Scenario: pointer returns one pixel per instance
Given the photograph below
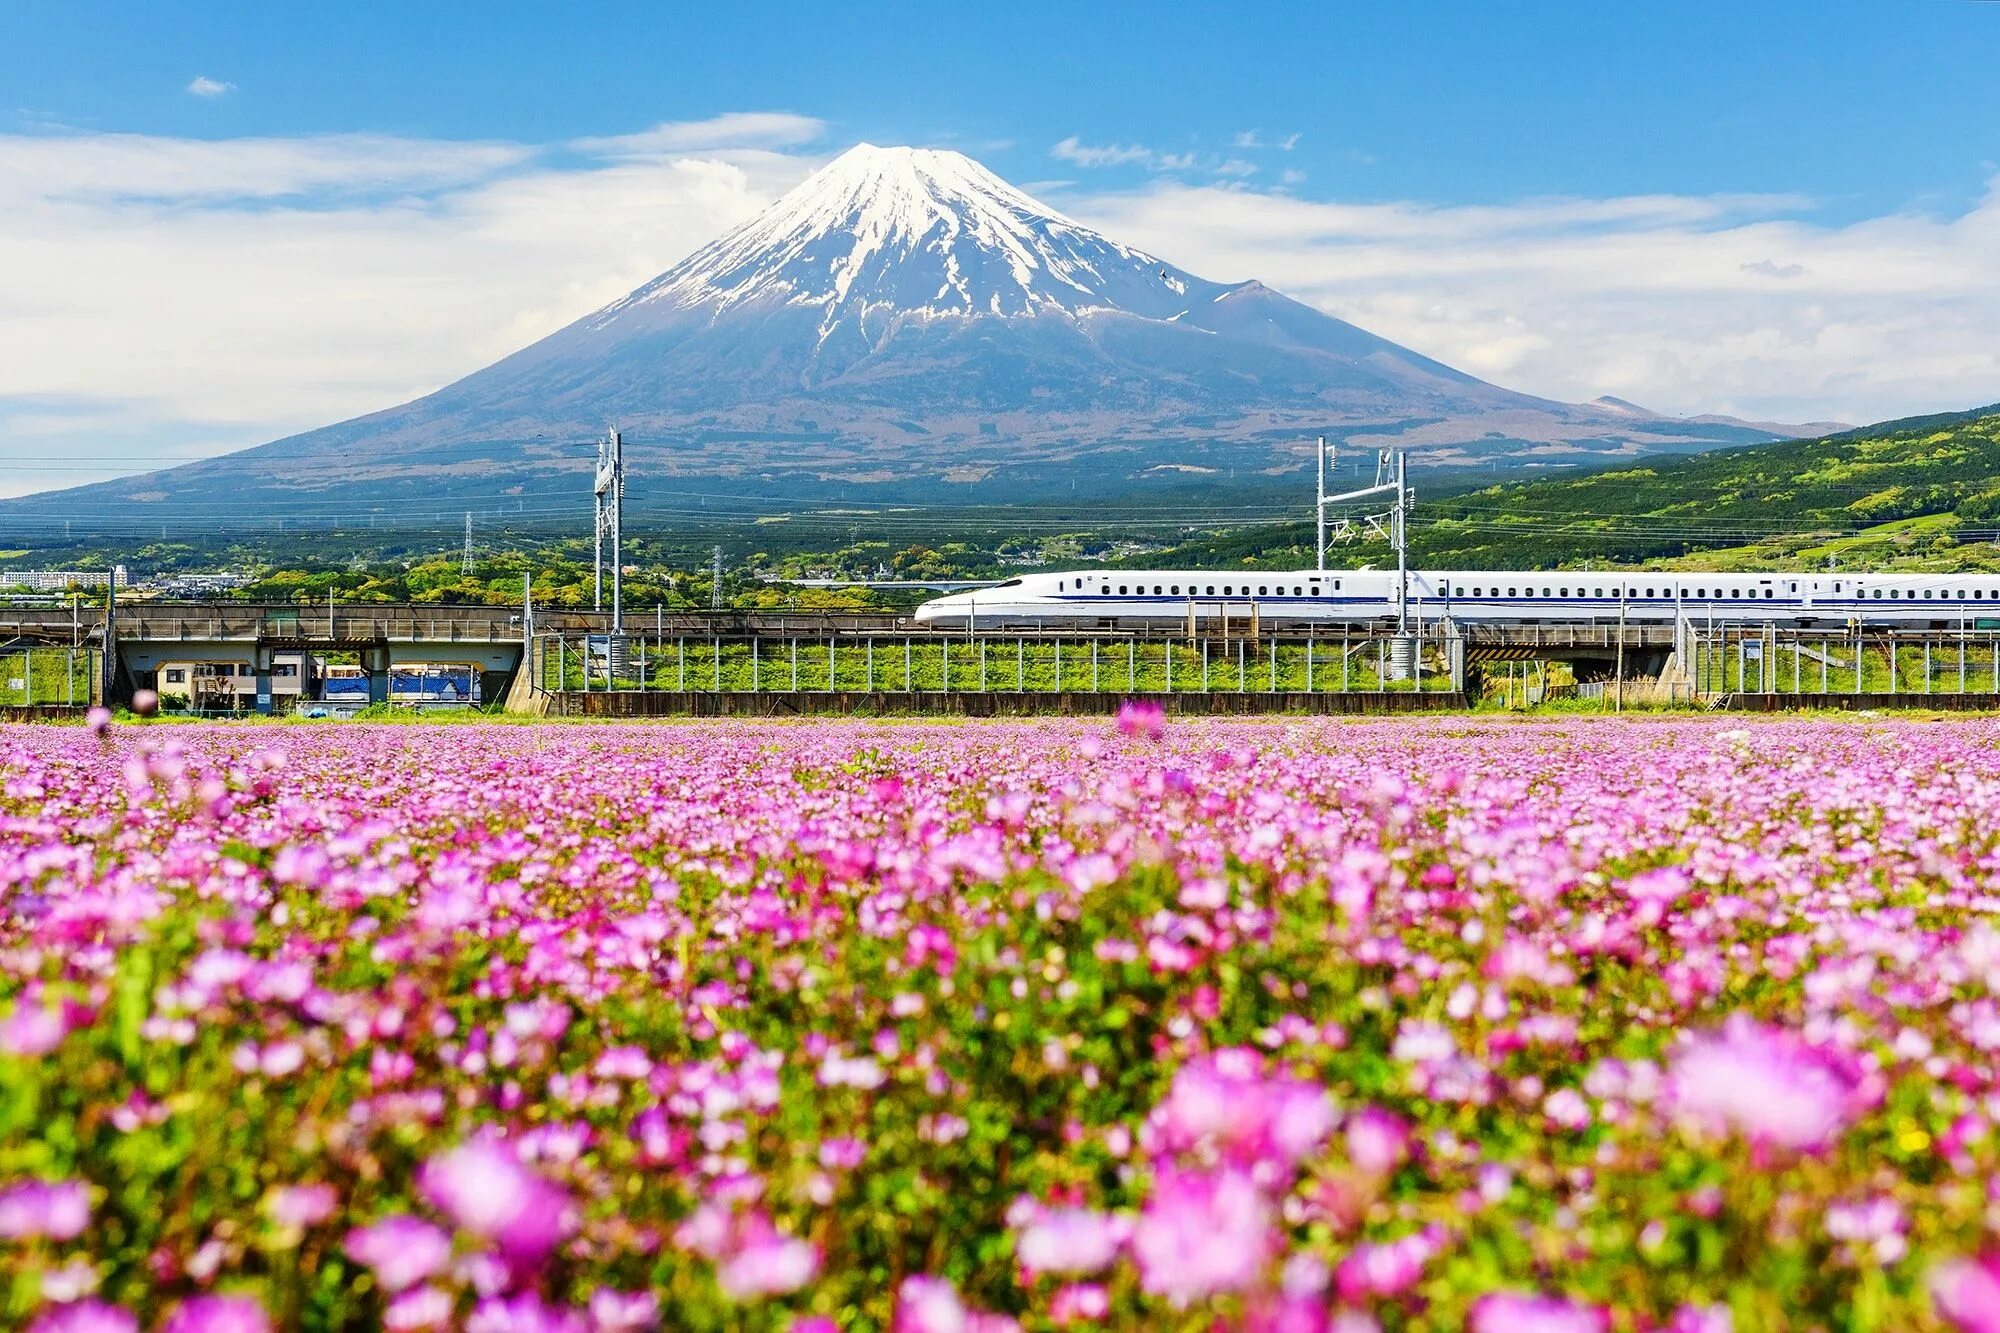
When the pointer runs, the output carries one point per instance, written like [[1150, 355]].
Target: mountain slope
[[1921, 492], [904, 319]]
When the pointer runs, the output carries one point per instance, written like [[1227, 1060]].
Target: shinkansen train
[[1110, 599]]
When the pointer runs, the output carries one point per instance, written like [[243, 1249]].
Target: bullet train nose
[[941, 608]]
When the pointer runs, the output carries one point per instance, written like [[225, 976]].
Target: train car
[[1114, 599]]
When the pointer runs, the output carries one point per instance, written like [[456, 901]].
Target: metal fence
[[1725, 660], [38, 676], [994, 663]]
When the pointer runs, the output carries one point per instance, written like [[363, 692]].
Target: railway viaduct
[[145, 634]]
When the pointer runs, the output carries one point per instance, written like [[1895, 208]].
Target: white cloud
[[168, 298], [758, 129], [1254, 139], [1731, 303], [1236, 166], [1119, 155], [203, 86]]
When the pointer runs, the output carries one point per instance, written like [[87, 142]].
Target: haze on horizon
[[232, 225]]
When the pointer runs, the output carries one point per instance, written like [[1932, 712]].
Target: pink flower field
[[1303, 1027]]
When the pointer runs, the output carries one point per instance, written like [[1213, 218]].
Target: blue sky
[[1768, 208], [1866, 106]]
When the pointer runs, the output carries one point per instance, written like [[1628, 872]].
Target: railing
[[39, 676], [990, 663], [1755, 660]]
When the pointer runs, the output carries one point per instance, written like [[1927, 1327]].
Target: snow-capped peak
[[922, 231]]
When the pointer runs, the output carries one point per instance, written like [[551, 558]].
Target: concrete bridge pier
[[375, 661]]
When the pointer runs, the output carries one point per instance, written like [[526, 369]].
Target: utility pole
[[1391, 475], [465, 558], [610, 495], [1319, 513], [111, 637]]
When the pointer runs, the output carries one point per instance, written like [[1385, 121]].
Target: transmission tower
[[610, 493], [715, 580], [465, 557]]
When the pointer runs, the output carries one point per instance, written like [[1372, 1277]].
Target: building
[[59, 580]]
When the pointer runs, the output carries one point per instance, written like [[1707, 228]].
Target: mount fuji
[[906, 323]]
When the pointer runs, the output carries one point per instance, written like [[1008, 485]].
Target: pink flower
[[400, 1250], [614, 1311], [932, 1305], [1143, 718], [1701, 1319], [1967, 1292], [1507, 1312], [1377, 1141], [85, 1317], [770, 1264], [98, 720], [34, 1028], [1202, 1233], [523, 1314], [1079, 1303], [297, 1207], [418, 1309], [1765, 1083], [1227, 1104], [483, 1187], [218, 1314], [57, 1210], [1067, 1240]]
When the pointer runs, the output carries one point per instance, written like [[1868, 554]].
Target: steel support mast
[[1391, 477], [609, 491]]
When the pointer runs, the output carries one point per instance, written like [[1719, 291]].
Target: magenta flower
[[418, 1309], [1202, 1233], [1506, 1312], [1766, 1084], [1967, 1292], [85, 1317], [767, 1264], [1067, 1240], [400, 1250], [296, 1207], [1142, 718], [218, 1314], [58, 1210], [1079, 1303], [483, 1187], [614, 1311], [525, 1313], [1377, 1141]]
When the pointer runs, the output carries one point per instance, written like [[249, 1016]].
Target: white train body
[[1108, 599]]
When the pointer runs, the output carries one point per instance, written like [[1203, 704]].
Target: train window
[[1176, 590], [1510, 592], [1649, 592], [1927, 594], [1769, 593], [1263, 590], [1105, 590], [1156, 590], [1123, 590], [1893, 594]]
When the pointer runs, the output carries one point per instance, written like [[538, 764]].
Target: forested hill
[[1786, 496], [1924, 491]]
